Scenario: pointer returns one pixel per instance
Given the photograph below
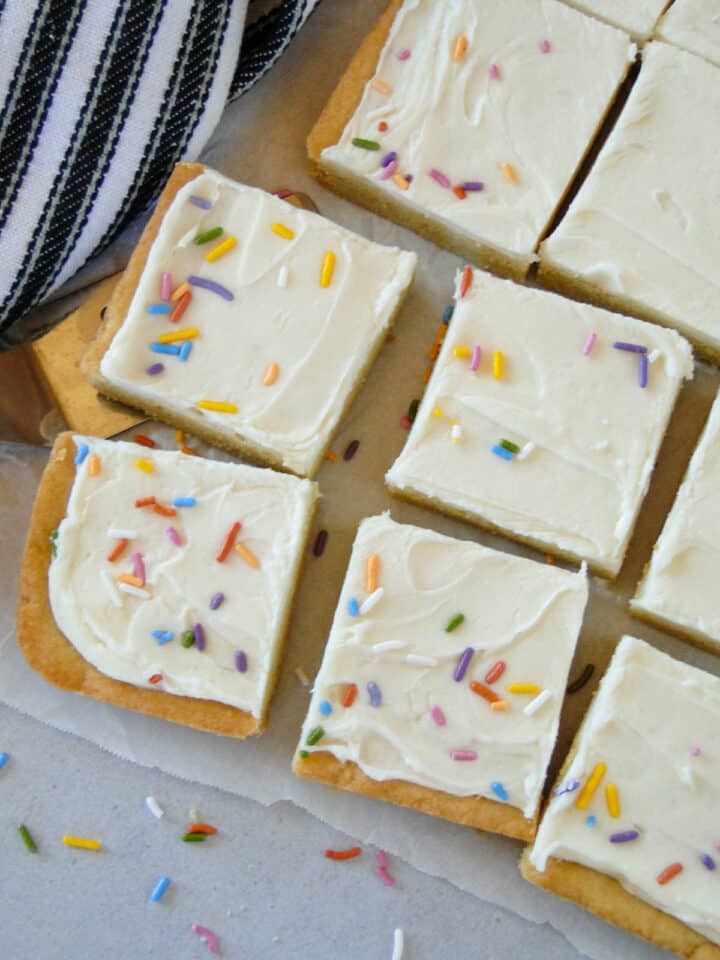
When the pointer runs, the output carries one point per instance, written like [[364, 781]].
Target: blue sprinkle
[[499, 790], [162, 636], [353, 607], [325, 708], [185, 350], [591, 821], [82, 451], [160, 888], [241, 661], [200, 202], [707, 861], [216, 600], [4, 757], [447, 313], [159, 308], [168, 348], [375, 695], [501, 452], [184, 502]]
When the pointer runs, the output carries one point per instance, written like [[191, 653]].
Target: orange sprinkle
[[459, 193], [668, 873], [179, 436], [509, 172], [482, 691], [427, 374], [164, 511], [380, 85], [129, 578], [155, 678], [400, 181], [271, 374], [382, 126], [181, 306], [343, 854], [349, 699], [145, 502], [143, 440], [189, 450], [332, 457], [228, 541], [247, 555], [460, 47], [499, 705], [180, 291], [371, 573], [465, 280], [94, 465], [434, 351], [202, 828], [117, 550]]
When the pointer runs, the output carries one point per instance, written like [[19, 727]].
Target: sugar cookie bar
[[693, 25], [162, 582], [443, 677], [467, 120], [246, 320], [630, 832], [637, 17]]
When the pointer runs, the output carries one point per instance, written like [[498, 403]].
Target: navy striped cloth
[[99, 100]]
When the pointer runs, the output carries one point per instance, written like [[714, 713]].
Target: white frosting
[[648, 718], [681, 583], [693, 25], [524, 613], [647, 211], [595, 432], [112, 629], [638, 17], [539, 114], [320, 337]]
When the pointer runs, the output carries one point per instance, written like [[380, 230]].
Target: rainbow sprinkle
[[316, 734], [389, 170], [166, 348], [271, 374], [707, 861], [494, 71], [221, 249], [501, 452], [165, 286], [207, 935], [495, 672], [353, 607], [403, 54], [460, 47], [173, 536], [498, 364], [159, 889], [509, 172], [629, 347], [327, 269], [189, 333], [463, 756], [388, 158], [144, 465], [208, 235], [612, 800], [668, 873], [439, 177], [380, 86], [154, 369], [4, 757], [643, 370], [475, 358], [438, 716], [540, 700], [83, 842], [241, 661], [365, 144], [217, 406], [82, 451], [200, 202], [184, 502], [625, 836], [375, 695], [589, 344], [523, 689], [212, 286], [216, 601], [162, 636], [463, 663], [591, 785], [199, 636], [248, 556], [545, 46], [158, 308], [499, 790], [325, 708], [27, 838], [282, 231], [472, 186], [454, 622]]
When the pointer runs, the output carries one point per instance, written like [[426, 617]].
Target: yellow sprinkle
[[380, 86], [129, 578], [221, 249], [327, 270], [332, 457], [400, 181], [179, 291], [509, 172], [498, 364], [371, 573], [247, 555], [461, 351], [460, 48], [282, 231], [145, 466], [612, 799], [83, 842], [499, 705], [523, 688], [437, 412], [189, 333], [271, 374], [179, 436], [94, 465], [219, 406], [593, 782]]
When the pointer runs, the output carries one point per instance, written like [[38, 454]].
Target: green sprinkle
[[317, 733], [365, 144], [510, 446], [304, 754], [208, 235], [27, 838], [187, 639], [412, 410], [194, 837], [454, 622], [53, 541]]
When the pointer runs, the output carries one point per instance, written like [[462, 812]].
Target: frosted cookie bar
[[641, 235], [169, 582], [638, 17], [467, 120], [678, 591], [246, 320], [693, 25], [443, 677], [631, 832]]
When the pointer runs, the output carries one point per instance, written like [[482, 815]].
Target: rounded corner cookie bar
[[460, 120], [443, 677], [162, 583], [630, 831], [247, 321], [543, 419]]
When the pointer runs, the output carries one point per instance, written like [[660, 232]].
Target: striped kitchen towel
[[99, 99]]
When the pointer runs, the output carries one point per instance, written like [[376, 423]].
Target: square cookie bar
[[693, 25], [543, 419], [247, 321], [443, 677], [678, 591], [169, 583], [638, 17], [641, 235], [467, 120], [631, 830]]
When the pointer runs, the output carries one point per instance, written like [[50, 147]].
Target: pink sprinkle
[[439, 177], [589, 343], [165, 287], [389, 170], [696, 751], [382, 869], [494, 71], [405, 422], [475, 358], [382, 860], [438, 716], [207, 935], [403, 54], [174, 536], [138, 567], [545, 46], [463, 755]]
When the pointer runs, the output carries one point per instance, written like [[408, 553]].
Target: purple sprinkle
[[138, 567], [155, 368], [624, 837], [211, 285], [494, 71], [643, 369], [545, 46], [216, 601], [388, 158], [570, 787], [174, 536], [199, 635], [200, 202], [470, 185], [403, 54], [389, 170], [241, 661], [707, 861], [475, 358], [630, 347], [375, 695], [463, 663], [438, 176]]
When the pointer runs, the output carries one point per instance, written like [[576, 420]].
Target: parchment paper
[[261, 141]]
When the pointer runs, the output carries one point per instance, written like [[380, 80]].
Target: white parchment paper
[[261, 141]]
